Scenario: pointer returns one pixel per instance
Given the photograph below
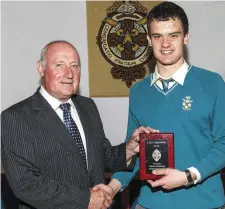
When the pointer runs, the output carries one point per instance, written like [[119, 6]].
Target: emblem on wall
[[122, 40]]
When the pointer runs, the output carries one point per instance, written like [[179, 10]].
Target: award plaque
[[156, 151]]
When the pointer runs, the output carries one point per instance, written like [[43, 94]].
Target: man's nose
[[165, 42], [68, 72]]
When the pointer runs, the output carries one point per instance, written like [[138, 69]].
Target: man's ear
[[40, 69], [186, 38], [149, 41]]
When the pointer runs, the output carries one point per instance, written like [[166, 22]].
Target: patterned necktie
[[73, 129], [165, 84]]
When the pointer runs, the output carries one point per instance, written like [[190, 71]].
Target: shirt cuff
[[196, 172]]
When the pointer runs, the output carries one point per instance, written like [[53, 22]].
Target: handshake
[[101, 194]]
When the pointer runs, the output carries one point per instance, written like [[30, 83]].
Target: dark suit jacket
[[41, 160]]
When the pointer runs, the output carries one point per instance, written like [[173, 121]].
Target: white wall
[[207, 34], [28, 26]]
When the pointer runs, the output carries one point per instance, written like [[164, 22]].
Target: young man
[[188, 101]]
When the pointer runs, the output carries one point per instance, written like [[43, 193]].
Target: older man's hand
[[101, 197], [132, 146]]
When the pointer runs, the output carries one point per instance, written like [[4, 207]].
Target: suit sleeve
[[114, 156], [24, 176]]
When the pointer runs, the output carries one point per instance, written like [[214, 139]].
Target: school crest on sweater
[[186, 105]]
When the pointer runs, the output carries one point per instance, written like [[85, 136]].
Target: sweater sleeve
[[214, 161], [126, 176]]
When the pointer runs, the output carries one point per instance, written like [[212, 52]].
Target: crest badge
[[186, 105], [122, 40]]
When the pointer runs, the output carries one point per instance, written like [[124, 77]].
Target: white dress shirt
[[55, 105], [178, 76]]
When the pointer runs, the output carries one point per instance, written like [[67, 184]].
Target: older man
[[54, 149]]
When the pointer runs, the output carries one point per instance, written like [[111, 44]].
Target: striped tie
[[73, 129], [165, 84]]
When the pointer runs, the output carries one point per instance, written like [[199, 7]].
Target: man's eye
[[156, 37], [173, 35], [59, 65], [74, 66]]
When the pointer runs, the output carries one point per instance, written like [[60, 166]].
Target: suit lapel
[[48, 118]]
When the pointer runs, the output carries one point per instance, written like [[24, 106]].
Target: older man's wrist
[[129, 153]]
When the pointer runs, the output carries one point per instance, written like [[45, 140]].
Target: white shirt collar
[[178, 76], [52, 100]]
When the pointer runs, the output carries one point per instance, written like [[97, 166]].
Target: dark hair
[[166, 11]]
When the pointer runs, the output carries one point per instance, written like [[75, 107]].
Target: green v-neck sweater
[[195, 113]]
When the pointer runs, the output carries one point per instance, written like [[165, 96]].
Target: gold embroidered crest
[[122, 40]]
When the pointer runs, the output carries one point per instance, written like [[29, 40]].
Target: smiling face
[[167, 40], [61, 71]]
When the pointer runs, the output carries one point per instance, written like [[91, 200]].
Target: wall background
[[28, 26]]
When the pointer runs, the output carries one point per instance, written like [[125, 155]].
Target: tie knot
[[165, 84], [65, 107], [166, 80]]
